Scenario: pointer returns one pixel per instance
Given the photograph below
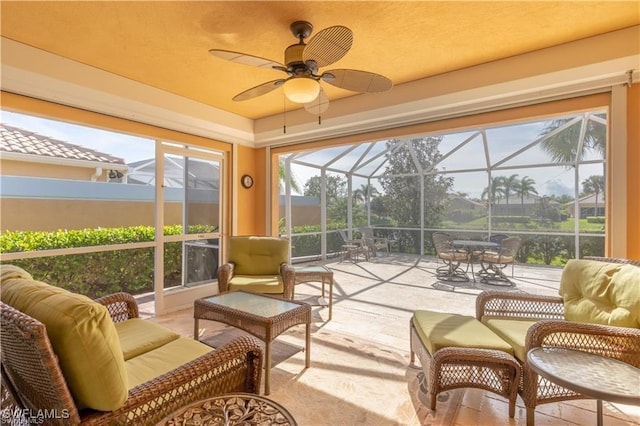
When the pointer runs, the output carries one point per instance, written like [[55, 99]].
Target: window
[[542, 180], [79, 207]]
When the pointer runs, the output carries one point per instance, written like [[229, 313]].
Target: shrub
[[99, 273], [595, 219]]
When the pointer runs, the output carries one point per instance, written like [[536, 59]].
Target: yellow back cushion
[[83, 337], [601, 293], [12, 271], [258, 255]]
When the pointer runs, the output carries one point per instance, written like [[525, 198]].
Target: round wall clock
[[247, 181]]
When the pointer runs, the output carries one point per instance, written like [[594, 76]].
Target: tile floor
[[375, 299]]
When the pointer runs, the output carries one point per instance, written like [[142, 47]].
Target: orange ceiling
[[165, 44]]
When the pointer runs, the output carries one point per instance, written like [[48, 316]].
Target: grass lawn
[[564, 226]]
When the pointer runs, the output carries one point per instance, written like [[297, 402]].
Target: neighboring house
[[587, 206], [518, 207], [458, 202], [25, 153]]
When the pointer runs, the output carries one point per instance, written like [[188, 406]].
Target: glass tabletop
[[311, 269], [590, 374], [256, 304], [474, 243]]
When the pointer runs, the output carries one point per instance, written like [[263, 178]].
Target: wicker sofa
[[67, 359], [598, 311]]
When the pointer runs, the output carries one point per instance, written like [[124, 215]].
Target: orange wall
[[251, 201], [633, 172]]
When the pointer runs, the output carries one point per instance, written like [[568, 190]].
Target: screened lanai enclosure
[[541, 180]]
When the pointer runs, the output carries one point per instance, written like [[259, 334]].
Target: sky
[[130, 148]]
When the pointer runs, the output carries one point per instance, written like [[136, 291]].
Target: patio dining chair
[[374, 244], [451, 257], [497, 238], [353, 248], [493, 263]]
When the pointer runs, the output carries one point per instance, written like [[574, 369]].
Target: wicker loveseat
[[598, 311], [69, 360]]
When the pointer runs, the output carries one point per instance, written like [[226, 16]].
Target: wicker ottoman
[[457, 351]]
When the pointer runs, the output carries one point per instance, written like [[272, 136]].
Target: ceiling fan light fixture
[[301, 90]]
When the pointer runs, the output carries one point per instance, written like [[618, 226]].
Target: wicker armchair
[[258, 264], [552, 330], [33, 381]]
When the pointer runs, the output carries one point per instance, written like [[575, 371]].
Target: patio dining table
[[475, 249]]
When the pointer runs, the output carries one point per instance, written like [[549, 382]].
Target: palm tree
[[524, 189], [494, 191], [563, 146], [282, 176], [365, 193], [509, 185], [594, 185]]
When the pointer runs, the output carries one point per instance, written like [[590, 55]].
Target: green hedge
[[309, 245], [101, 273], [595, 219]]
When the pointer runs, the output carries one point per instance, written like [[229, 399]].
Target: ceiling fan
[[302, 63]]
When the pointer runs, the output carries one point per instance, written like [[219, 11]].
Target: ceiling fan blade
[[258, 90], [319, 104], [358, 81], [243, 58], [329, 45]]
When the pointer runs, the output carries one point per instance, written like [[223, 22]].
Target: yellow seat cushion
[[138, 336], [258, 255], [83, 337], [439, 330], [159, 361], [270, 284], [601, 293], [512, 331]]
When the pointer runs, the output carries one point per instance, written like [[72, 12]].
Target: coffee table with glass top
[[265, 317]]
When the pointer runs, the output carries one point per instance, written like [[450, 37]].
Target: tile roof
[[20, 141]]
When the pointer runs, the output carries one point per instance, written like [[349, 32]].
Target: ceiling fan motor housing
[[293, 56]]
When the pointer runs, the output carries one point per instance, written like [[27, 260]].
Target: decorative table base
[[232, 410]]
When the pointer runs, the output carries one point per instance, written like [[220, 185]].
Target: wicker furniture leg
[[453, 367]]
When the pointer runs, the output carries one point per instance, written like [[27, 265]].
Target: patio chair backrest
[[346, 239], [509, 247], [498, 238], [442, 242], [367, 232]]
